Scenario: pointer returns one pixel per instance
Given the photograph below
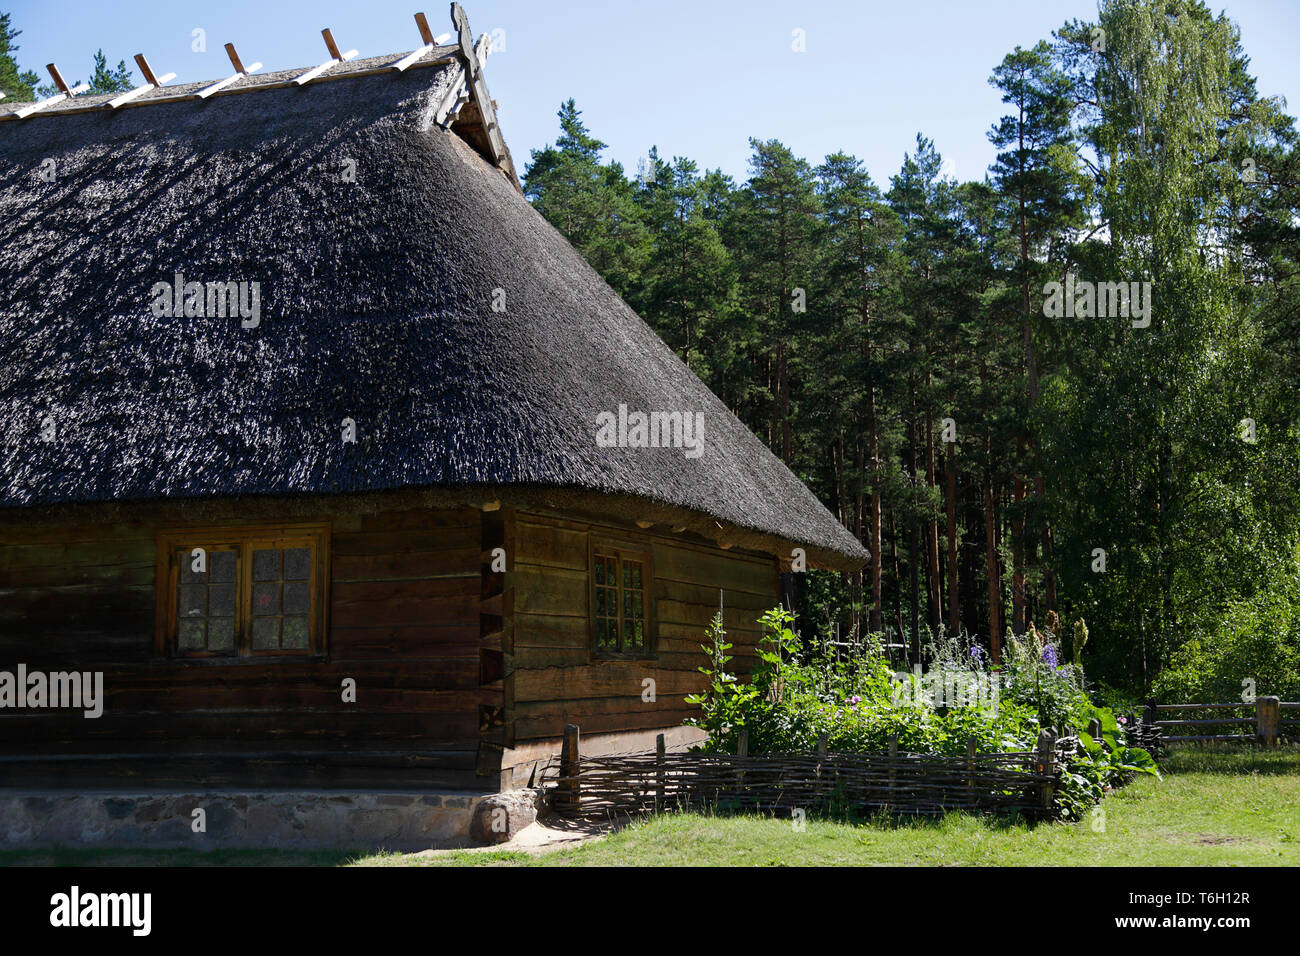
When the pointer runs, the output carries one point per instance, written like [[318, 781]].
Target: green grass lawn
[[1220, 807]]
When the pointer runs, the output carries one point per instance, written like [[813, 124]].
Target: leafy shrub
[[1257, 640], [1104, 763], [794, 697]]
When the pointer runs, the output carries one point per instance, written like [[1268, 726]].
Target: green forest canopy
[[890, 342]]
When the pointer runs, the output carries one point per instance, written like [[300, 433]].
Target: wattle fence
[[610, 786]]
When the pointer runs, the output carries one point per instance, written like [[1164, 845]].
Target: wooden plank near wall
[[186, 732], [412, 602], [541, 723], [403, 770], [549, 591], [551, 545], [412, 643]]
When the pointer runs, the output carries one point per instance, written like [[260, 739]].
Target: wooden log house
[[301, 405]]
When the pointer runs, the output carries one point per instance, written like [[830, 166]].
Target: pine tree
[[770, 233], [104, 80], [856, 292], [689, 280], [594, 205], [17, 86], [1037, 175]]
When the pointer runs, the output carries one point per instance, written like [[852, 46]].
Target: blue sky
[[695, 78]]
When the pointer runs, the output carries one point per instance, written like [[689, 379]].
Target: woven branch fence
[[610, 786]]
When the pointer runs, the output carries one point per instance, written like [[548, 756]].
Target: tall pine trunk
[[914, 539], [1049, 571], [991, 544], [954, 624], [873, 453], [935, 600], [994, 574], [1018, 553]]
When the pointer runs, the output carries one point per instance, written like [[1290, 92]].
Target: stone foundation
[[238, 820]]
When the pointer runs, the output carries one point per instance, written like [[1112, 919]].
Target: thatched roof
[[376, 305]]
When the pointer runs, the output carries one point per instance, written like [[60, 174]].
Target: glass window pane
[[266, 634], [295, 633], [636, 575], [186, 563], [191, 635], [221, 600], [297, 564], [627, 575], [266, 565], [193, 600], [266, 597], [296, 597], [221, 566], [221, 634]]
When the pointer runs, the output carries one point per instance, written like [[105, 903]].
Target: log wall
[[555, 679], [403, 621], [456, 662]]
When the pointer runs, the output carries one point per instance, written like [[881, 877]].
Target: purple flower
[[854, 700], [1049, 655], [977, 653], [1123, 720]]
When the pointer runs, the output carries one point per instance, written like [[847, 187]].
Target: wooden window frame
[[621, 549], [244, 539]]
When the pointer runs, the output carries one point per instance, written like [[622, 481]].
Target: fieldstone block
[[501, 816]]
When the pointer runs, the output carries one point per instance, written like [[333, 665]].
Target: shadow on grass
[[876, 818], [1231, 759]]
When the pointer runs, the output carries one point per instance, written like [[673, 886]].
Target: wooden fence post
[[660, 777], [893, 767], [1268, 718], [1047, 765], [971, 746], [742, 751], [822, 742], [569, 766]]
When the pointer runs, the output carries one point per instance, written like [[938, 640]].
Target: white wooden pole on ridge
[[430, 41], [335, 59], [151, 82], [239, 73], [64, 93]]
